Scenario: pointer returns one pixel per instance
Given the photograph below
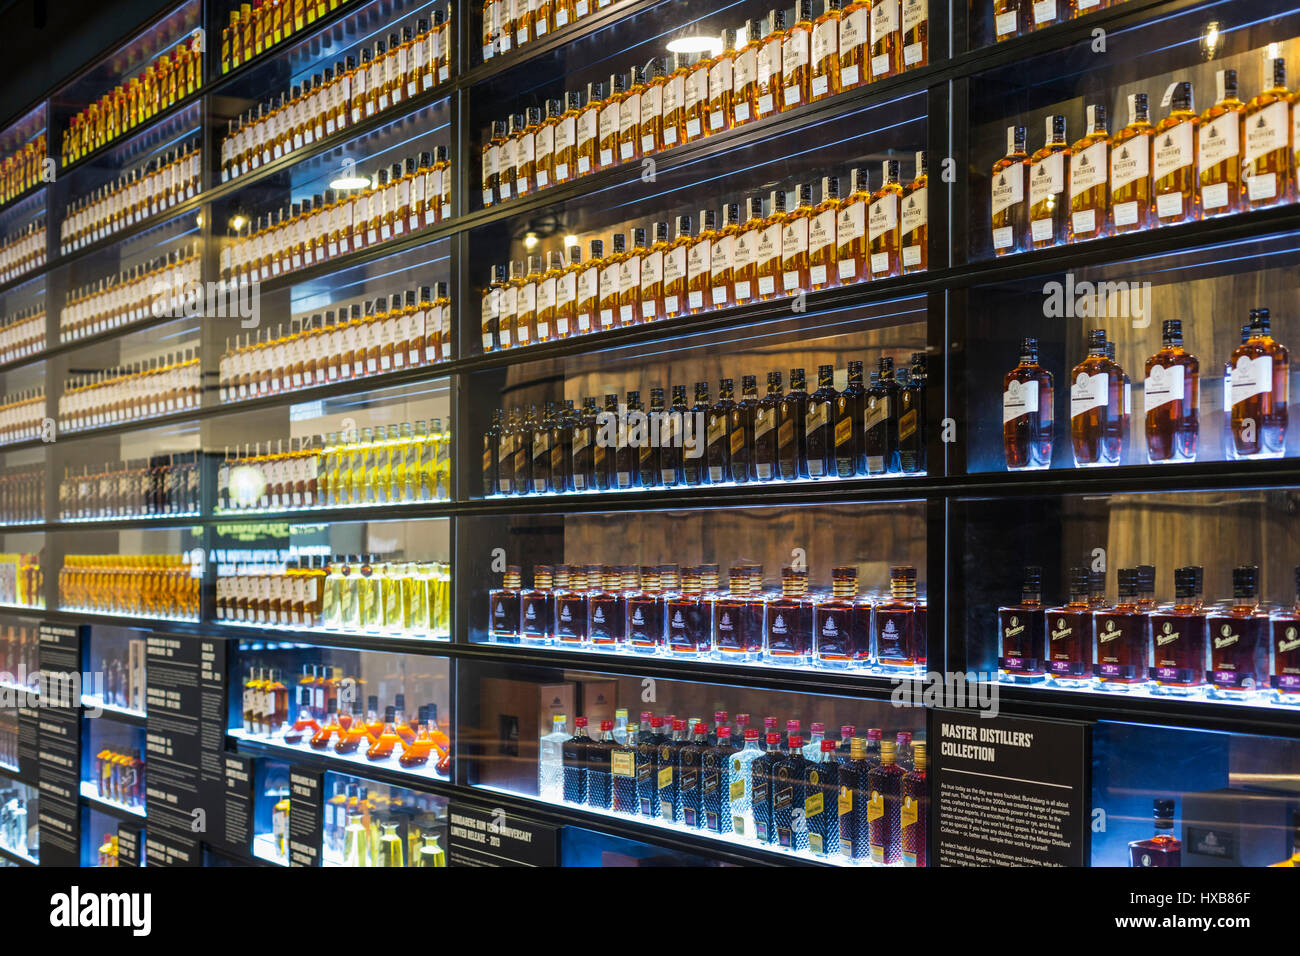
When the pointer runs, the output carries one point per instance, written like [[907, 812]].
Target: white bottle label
[[1046, 178], [1008, 188], [1005, 24], [883, 216], [1044, 11], [1251, 377], [1219, 141], [1266, 131], [1173, 150], [1019, 398], [1163, 385], [1130, 161], [1089, 392], [1088, 168]]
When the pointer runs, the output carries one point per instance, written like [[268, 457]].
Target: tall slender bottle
[[1260, 385], [1048, 209], [1218, 149], [1268, 178], [1173, 161]]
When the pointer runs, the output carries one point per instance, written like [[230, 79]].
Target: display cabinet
[[19, 832]]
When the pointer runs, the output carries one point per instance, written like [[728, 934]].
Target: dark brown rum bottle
[[1020, 633], [791, 438], [842, 624], [537, 608], [1284, 653], [570, 593], [644, 626], [686, 620], [604, 458], [880, 422], [582, 467], [848, 430], [605, 610], [731, 640], [695, 469], [900, 635], [717, 432], [1238, 640], [764, 465], [911, 421], [627, 473], [649, 452], [491, 454], [563, 426], [741, 429], [503, 608], [1170, 394], [789, 636], [1120, 651], [1096, 406], [1260, 379], [1069, 635], [819, 436], [523, 449], [672, 431], [1177, 640]]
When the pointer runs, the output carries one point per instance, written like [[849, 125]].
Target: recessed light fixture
[[530, 240], [350, 182], [710, 45], [237, 222], [570, 241]]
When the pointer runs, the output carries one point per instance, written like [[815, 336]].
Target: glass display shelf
[[115, 661], [529, 731], [101, 827], [90, 793], [19, 811], [23, 149], [370, 823]]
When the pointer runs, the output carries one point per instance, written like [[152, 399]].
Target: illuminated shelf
[[90, 793], [389, 768]]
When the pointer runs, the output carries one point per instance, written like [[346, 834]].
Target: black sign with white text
[[492, 837], [58, 736], [306, 817]]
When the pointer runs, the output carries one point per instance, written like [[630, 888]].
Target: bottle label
[[1089, 392], [1266, 130], [915, 211], [1163, 385], [877, 411], [1130, 161], [1019, 398], [1046, 178], [1173, 151], [853, 32], [824, 37], [794, 54], [1219, 141], [850, 223], [821, 232], [883, 217], [1008, 188], [1088, 168], [1251, 377], [884, 21], [1044, 12]]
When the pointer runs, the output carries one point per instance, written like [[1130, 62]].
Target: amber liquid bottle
[[826, 52], [886, 39], [1010, 207], [1268, 178], [1048, 211], [674, 270], [794, 243], [900, 636], [883, 239], [1120, 633], [1218, 149], [1020, 633], [796, 59], [851, 230], [1260, 382], [744, 74], [1027, 412], [699, 264], [1130, 170], [914, 230], [1096, 406], [1170, 395], [1069, 635], [1173, 166], [1089, 165]]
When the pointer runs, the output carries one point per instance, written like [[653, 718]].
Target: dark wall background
[[43, 41]]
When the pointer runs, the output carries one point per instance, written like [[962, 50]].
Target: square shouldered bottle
[[537, 608], [791, 439], [1009, 198], [1120, 635], [734, 638], [717, 434], [1162, 849], [788, 638], [1176, 660], [1027, 412], [1267, 153], [741, 430], [1020, 634], [686, 618], [1239, 641], [842, 624], [900, 631], [1218, 149], [848, 434], [1048, 208], [1069, 635], [819, 442], [1089, 167], [503, 608], [574, 757], [570, 594], [644, 626], [1170, 395], [1130, 170], [1173, 161], [606, 614], [1284, 651]]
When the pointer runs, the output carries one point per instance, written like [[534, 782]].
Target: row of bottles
[[787, 245], [8, 744], [119, 777], [384, 465], [362, 828], [1232, 157], [137, 585], [22, 582], [1239, 650], [144, 389], [755, 72], [166, 80], [22, 169], [1013, 18], [410, 62], [124, 676], [22, 416], [402, 198], [684, 612], [109, 852], [23, 250], [510, 24], [1256, 382], [159, 286], [863, 431], [164, 181], [354, 593], [18, 649], [15, 834], [22, 494], [138, 488], [862, 798], [256, 27], [22, 334], [381, 335]]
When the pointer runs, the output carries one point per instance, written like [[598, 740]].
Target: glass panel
[[116, 663], [19, 810], [113, 767], [377, 824]]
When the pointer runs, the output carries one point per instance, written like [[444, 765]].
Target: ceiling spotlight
[[350, 181], [710, 45], [1211, 37], [237, 222], [530, 240], [570, 240]]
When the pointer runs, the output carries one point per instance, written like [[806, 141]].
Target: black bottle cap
[[726, 385], [595, 91], [597, 248], [389, 713], [638, 237], [774, 378], [411, 297], [661, 232], [399, 701], [517, 123], [1128, 582], [731, 214], [1259, 320], [1172, 330], [683, 225], [439, 288], [798, 380], [1078, 580], [1182, 97], [1097, 582], [1146, 578], [1245, 581], [1096, 338], [380, 48], [499, 273], [1297, 577], [1184, 583], [575, 254], [861, 179], [748, 381], [554, 108], [1163, 809], [1033, 583], [620, 242], [886, 364], [533, 115], [805, 194], [830, 187], [499, 129], [708, 219], [618, 83]]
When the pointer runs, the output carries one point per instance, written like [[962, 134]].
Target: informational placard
[[306, 817], [167, 849], [479, 836], [29, 743], [58, 736], [184, 743], [1009, 791], [130, 841], [238, 798]]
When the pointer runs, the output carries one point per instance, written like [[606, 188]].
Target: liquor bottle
[[767, 249], [1162, 849], [1238, 640], [1020, 632], [849, 417], [826, 52], [600, 782], [1069, 635], [536, 608], [1097, 406], [697, 438], [741, 429], [1218, 150], [1173, 167], [1120, 636], [647, 764], [1130, 170], [606, 614], [546, 292], [794, 243], [1010, 206], [722, 82], [574, 757], [686, 619], [900, 634], [690, 762], [790, 793], [1267, 174], [764, 465], [668, 783], [791, 441], [648, 440], [884, 812], [718, 435], [770, 83], [731, 641], [674, 270], [503, 626], [886, 39], [626, 467], [915, 810], [1178, 640], [914, 229], [842, 624], [1284, 651], [699, 264], [719, 781], [1048, 211], [570, 594], [880, 422], [796, 58], [819, 440], [911, 418], [883, 237], [762, 776], [651, 306], [823, 271], [789, 636], [916, 33], [1170, 396], [1089, 165], [1046, 13], [1260, 382], [623, 766], [605, 456]]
